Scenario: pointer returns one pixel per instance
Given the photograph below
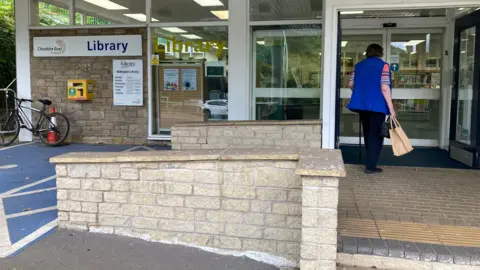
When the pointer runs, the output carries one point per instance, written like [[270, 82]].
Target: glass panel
[[190, 80], [276, 10], [417, 82], [353, 51], [51, 13], [465, 86], [189, 10], [287, 79]]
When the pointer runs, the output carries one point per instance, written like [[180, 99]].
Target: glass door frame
[[468, 154], [387, 38], [277, 33]]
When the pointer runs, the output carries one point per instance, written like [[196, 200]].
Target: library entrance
[[415, 56]]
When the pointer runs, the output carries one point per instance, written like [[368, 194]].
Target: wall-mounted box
[[80, 89]]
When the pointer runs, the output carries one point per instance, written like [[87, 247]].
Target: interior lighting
[[174, 30], [106, 4], [221, 14], [352, 12], [191, 36], [209, 3]]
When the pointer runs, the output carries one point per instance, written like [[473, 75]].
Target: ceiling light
[[461, 8], [174, 30], [413, 52], [261, 42], [221, 14], [351, 12], [191, 36], [365, 53], [464, 51], [137, 16], [154, 20], [414, 42], [106, 4], [209, 3], [478, 8], [344, 43]]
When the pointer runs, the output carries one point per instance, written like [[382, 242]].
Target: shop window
[[189, 76], [189, 10], [89, 12], [287, 72], [276, 10]]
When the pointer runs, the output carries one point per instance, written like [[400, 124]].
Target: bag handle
[[395, 121]]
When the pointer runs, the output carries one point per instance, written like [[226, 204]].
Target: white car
[[217, 108]]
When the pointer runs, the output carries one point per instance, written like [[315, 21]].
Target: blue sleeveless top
[[367, 91]]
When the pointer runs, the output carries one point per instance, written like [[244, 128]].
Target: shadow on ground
[[79, 250]]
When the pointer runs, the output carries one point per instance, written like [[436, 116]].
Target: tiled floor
[[404, 203]]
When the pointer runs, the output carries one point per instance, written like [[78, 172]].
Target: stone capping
[[321, 162], [252, 123]]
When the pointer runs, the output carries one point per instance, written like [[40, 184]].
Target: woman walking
[[371, 84]]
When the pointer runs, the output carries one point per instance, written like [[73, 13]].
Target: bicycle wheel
[[57, 125], [9, 129]]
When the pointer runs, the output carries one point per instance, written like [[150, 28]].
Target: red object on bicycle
[[53, 137]]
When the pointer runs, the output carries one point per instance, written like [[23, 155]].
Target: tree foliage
[[7, 43]]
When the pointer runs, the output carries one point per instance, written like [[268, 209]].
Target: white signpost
[[128, 82], [121, 45]]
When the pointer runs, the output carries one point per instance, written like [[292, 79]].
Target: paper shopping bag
[[400, 143]]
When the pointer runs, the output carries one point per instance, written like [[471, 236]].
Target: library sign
[[125, 45]]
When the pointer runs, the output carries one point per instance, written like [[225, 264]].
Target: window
[[189, 76], [286, 72], [276, 10], [89, 12], [189, 10]]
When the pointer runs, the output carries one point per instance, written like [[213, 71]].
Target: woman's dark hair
[[374, 50]]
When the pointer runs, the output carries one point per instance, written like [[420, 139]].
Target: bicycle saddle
[[45, 102]]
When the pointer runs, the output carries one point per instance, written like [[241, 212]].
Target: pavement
[[28, 193]]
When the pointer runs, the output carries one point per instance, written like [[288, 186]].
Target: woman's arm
[[350, 82], [386, 91]]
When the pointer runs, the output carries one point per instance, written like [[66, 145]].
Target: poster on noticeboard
[[170, 78]]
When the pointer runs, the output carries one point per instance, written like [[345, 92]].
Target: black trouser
[[372, 124]]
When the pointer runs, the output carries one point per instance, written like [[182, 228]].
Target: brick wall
[[228, 199], [98, 120], [247, 134]]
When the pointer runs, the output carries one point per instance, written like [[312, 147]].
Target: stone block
[[110, 171], [283, 234], [116, 197], [151, 175], [184, 213], [206, 190], [83, 171], [290, 249], [102, 185], [87, 184], [261, 206], [102, 230], [272, 194], [147, 187], [236, 205], [61, 170], [202, 202], [113, 220], [294, 222], [224, 216], [319, 236], [169, 200], [238, 192], [318, 265], [309, 252], [142, 198], [120, 185], [63, 216], [156, 211], [260, 245], [130, 210], [225, 242], [144, 223], [200, 215], [129, 174], [88, 207], [69, 206], [62, 195], [83, 217], [178, 175], [233, 166], [176, 225], [68, 183], [239, 179], [253, 219], [287, 209], [178, 188], [208, 177], [209, 228], [274, 177], [240, 230], [85, 196], [109, 208]]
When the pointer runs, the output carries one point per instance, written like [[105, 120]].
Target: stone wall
[[247, 134], [239, 200], [98, 120]]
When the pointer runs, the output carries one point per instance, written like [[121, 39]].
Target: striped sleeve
[[385, 75], [352, 78]]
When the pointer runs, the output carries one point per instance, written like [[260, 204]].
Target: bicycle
[[48, 122]]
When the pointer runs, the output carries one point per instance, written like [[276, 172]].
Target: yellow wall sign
[[155, 60]]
